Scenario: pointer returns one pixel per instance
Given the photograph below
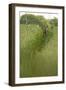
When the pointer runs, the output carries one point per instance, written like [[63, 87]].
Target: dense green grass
[[38, 52]]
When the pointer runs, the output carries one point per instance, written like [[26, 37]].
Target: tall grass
[[38, 52]]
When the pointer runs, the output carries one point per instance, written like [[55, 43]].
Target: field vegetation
[[38, 46]]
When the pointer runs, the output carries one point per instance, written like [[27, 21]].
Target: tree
[[54, 22], [36, 19]]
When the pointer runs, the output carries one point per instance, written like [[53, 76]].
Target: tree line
[[45, 24]]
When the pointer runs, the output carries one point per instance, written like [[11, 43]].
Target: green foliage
[[38, 52], [27, 19], [54, 22], [37, 20], [33, 31], [31, 37]]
